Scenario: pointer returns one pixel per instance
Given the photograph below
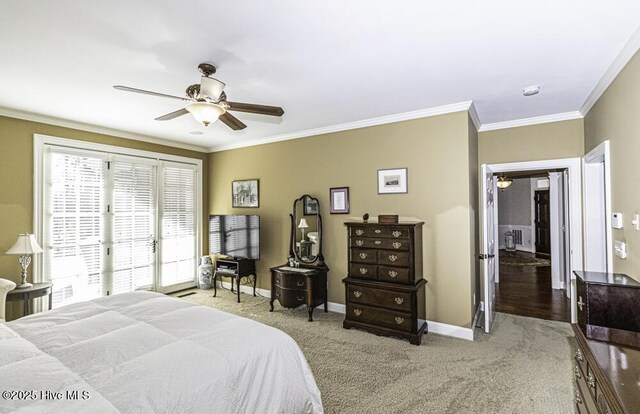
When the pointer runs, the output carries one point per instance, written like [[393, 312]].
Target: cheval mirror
[[305, 244]]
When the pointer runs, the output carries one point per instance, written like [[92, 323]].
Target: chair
[[5, 287]]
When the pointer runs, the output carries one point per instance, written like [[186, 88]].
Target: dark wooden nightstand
[[295, 286], [27, 294], [235, 269]]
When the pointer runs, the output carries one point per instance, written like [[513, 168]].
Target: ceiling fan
[[207, 102]]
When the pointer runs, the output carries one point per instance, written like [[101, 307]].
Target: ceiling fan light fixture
[[205, 112], [503, 182]]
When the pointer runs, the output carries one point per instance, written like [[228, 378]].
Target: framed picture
[[339, 197], [310, 206], [392, 181], [244, 193]]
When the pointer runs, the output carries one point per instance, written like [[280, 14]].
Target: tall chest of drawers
[[384, 290]]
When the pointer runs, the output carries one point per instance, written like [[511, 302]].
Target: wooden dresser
[[607, 362], [295, 286], [384, 290]]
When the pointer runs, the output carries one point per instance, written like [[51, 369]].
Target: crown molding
[[405, 116], [629, 49], [564, 116], [50, 120], [474, 116]]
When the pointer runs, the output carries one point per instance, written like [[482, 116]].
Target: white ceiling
[[325, 62]]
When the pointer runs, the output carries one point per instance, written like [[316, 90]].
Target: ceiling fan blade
[[232, 122], [172, 115], [211, 87], [255, 109], [142, 91]]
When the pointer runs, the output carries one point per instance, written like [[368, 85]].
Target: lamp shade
[[26, 244], [303, 224], [205, 112], [503, 182]]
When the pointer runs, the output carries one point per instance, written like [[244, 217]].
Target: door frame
[[600, 158], [574, 168]]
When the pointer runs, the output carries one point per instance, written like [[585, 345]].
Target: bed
[[144, 352]]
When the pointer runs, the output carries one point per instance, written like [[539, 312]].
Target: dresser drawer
[[588, 400], [380, 243], [400, 321], [290, 298], [601, 401], [386, 257], [290, 281], [364, 256], [380, 231], [394, 274], [363, 271], [380, 297]]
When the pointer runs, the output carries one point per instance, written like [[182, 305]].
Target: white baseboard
[[434, 327]]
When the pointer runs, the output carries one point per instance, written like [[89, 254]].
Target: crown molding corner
[[545, 119], [474, 116], [629, 49], [388, 119], [66, 123]]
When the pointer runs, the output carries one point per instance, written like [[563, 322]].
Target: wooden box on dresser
[[384, 290], [607, 362]]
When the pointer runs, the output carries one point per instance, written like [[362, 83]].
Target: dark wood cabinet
[[385, 291], [296, 286]]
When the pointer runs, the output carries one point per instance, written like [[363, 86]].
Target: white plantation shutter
[[178, 242], [134, 226], [74, 218]]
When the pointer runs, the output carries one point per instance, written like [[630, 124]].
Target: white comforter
[[145, 352]]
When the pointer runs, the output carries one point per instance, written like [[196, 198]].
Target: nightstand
[[27, 294]]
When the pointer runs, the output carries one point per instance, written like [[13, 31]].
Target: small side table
[[235, 269], [27, 294]]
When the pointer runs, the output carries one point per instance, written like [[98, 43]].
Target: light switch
[[621, 249], [616, 220], [636, 221]]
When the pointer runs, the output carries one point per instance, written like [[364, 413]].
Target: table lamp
[[25, 246], [303, 225]]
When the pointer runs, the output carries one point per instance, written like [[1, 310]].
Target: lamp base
[[24, 285]]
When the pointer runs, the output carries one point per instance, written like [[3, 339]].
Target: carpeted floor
[[524, 366]]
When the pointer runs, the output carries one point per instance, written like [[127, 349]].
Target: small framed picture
[[339, 197], [245, 193], [310, 206], [392, 181]]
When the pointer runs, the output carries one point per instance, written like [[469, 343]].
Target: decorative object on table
[[303, 225], [205, 272], [25, 246], [5, 286], [365, 218], [303, 280], [339, 197], [392, 181], [245, 193], [388, 218], [503, 182], [310, 206]]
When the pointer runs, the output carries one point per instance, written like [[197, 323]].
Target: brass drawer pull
[[278, 279], [359, 242], [580, 302], [359, 232], [399, 320], [357, 312], [363, 255], [363, 270], [357, 293], [378, 242], [397, 233], [393, 257], [378, 231], [591, 381], [300, 298], [397, 245], [578, 397], [393, 273], [578, 356], [576, 372], [399, 301], [300, 284]]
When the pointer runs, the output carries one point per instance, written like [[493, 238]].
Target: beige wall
[[16, 177], [554, 140], [436, 151], [616, 117]]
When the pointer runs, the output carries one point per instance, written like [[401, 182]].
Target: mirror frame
[[319, 259]]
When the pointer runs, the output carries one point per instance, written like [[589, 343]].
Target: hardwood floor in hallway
[[526, 291]]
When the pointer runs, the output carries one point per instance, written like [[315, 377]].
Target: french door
[[115, 223]]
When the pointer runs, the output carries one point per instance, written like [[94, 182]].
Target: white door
[[488, 251]]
